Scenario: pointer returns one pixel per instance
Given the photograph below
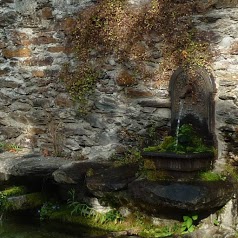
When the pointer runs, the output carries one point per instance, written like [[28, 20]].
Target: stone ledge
[[26, 164]]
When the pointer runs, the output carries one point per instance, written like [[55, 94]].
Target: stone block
[[46, 13], [234, 48], [138, 93], [125, 79], [68, 24], [56, 49], [8, 83], [63, 100], [20, 38], [38, 73], [2, 44], [7, 18], [43, 40], [162, 196], [21, 52], [4, 71], [38, 61]]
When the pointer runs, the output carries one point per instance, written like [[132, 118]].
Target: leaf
[[185, 218], [195, 217], [189, 222], [191, 228]]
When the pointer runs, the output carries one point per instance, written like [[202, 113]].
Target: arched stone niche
[[192, 92]]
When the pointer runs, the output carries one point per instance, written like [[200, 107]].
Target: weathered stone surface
[[107, 104], [226, 3], [38, 61], [204, 5], [28, 165], [155, 103], [159, 197], [76, 172], [7, 18], [111, 179], [125, 79], [138, 93], [209, 231], [35, 43], [47, 13], [26, 201], [43, 39], [10, 53]]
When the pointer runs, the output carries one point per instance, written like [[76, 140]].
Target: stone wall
[[37, 112]]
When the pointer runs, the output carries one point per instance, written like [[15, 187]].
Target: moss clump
[[14, 191], [187, 141], [141, 224], [65, 215], [211, 176], [148, 164]]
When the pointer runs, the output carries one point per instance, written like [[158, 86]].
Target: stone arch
[[194, 87]]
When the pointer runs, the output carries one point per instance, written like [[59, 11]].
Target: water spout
[[181, 103]]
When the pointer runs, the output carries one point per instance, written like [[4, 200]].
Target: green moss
[[149, 164], [211, 176], [132, 156], [26, 201], [5, 203], [187, 142], [16, 190], [64, 215], [231, 171], [140, 223]]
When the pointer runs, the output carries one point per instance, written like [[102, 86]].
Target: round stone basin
[[180, 162]]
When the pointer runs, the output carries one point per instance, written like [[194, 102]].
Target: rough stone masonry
[[37, 112]]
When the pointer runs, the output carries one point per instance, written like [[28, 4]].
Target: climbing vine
[[129, 34]]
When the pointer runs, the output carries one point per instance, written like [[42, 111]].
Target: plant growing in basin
[[184, 152]]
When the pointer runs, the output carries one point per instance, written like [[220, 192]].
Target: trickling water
[[181, 103]]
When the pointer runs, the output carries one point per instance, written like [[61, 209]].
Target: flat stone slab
[[158, 196], [76, 171], [26, 164], [112, 179]]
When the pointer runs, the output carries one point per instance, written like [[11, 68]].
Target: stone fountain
[[175, 184], [192, 92]]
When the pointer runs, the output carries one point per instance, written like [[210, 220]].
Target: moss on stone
[[64, 215], [15, 190], [211, 176], [137, 223], [187, 141], [24, 202]]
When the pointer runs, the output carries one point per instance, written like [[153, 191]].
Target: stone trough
[[180, 162]]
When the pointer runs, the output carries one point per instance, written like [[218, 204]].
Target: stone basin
[[188, 162]]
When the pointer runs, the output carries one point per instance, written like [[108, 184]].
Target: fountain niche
[[192, 103]]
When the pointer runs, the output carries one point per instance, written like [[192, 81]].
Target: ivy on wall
[[128, 33]]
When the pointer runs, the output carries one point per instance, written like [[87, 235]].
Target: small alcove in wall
[[193, 89]]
